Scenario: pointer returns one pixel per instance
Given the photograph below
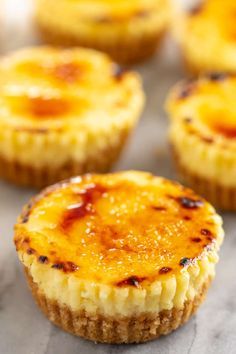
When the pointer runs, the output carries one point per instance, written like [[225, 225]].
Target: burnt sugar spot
[[187, 218], [68, 72], [85, 206], [190, 203], [26, 213], [206, 232], [43, 259], [184, 262], [48, 107], [30, 251], [165, 270], [207, 140], [217, 76], [24, 219], [131, 281], [158, 208], [57, 266], [66, 267], [196, 239], [186, 89]]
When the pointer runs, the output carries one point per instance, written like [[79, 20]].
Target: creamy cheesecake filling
[[119, 244], [94, 298], [203, 114]]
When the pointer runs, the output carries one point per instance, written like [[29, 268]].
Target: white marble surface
[[23, 329]]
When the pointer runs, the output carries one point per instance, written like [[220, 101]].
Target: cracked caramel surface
[[121, 229]]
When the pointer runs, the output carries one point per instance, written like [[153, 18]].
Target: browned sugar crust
[[125, 51], [104, 329], [220, 196], [24, 175]]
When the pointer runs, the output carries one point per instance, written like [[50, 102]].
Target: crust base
[[104, 329], [130, 51], [220, 196], [30, 176]]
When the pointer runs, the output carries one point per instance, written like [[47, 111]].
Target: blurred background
[[17, 28]]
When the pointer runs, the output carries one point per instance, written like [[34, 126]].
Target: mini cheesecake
[[203, 135], [63, 113], [207, 36], [118, 258], [129, 31]]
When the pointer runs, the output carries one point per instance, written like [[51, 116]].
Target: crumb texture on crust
[[107, 329], [119, 243], [207, 35], [126, 51], [48, 100], [203, 118], [37, 177]]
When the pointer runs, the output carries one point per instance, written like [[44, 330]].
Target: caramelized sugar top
[[216, 15], [120, 229], [208, 105], [41, 87]]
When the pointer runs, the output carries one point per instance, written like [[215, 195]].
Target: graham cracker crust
[[30, 176], [125, 51], [220, 196], [115, 330]]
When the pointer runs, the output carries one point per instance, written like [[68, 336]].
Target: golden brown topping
[[48, 107], [87, 198], [46, 90], [224, 129], [206, 107], [124, 227]]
